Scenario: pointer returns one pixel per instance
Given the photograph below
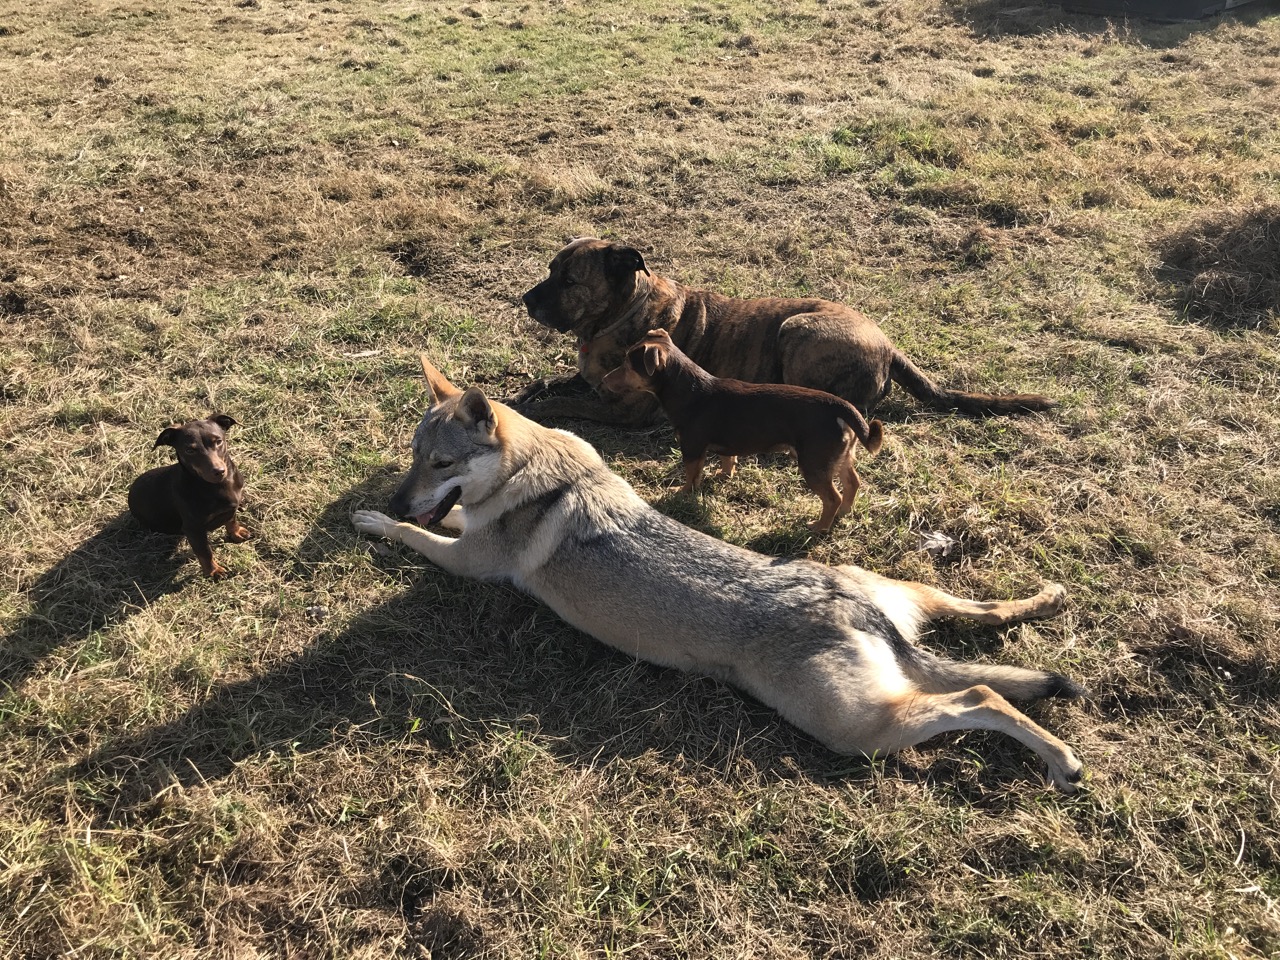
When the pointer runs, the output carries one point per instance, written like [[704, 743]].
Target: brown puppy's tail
[[869, 435], [906, 373]]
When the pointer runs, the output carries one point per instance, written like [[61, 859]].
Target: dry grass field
[[268, 207]]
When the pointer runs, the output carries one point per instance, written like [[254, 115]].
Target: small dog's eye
[[441, 464]]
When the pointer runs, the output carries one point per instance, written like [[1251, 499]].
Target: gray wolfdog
[[830, 648]]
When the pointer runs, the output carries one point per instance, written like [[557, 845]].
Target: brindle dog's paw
[[533, 392]]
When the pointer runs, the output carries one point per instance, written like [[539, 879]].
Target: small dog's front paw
[[374, 523], [238, 534], [218, 572]]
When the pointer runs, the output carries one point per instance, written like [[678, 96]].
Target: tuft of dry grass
[[1225, 267], [269, 208]]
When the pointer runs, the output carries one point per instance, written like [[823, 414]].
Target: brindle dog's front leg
[[549, 388], [444, 552], [632, 410]]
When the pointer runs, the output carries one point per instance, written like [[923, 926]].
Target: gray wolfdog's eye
[[441, 464]]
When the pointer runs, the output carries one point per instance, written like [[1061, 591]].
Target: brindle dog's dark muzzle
[[535, 301]]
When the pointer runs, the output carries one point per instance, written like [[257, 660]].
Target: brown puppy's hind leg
[[849, 481], [728, 467], [919, 716], [821, 480]]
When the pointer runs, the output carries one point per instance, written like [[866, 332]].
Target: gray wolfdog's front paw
[[374, 523]]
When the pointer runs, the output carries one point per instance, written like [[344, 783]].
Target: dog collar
[[633, 311]]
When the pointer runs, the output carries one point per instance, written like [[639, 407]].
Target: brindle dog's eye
[[441, 464], [567, 281]]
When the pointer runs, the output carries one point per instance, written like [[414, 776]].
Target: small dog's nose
[[219, 472]]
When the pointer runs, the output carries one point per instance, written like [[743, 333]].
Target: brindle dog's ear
[[626, 260], [655, 358], [168, 438], [222, 420]]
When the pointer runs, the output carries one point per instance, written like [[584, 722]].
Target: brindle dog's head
[[591, 282], [201, 446]]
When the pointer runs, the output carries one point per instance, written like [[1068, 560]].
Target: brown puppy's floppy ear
[[222, 420], [655, 358], [441, 388], [475, 410], [168, 438], [626, 259]]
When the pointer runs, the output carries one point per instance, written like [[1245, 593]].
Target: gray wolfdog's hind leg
[[444, 552], [920, 716], [934, 603]]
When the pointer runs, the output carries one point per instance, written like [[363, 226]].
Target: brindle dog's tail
[[934, 674], [906, 373]]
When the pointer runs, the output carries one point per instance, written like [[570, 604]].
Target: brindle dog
[[605, 295]]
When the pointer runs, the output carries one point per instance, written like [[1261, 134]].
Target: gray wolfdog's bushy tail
[[933, 674], [916, 382]]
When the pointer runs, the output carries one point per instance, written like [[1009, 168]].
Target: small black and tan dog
[[201, 491], [734, 418]]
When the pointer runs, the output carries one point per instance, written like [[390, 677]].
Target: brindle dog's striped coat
[[605, 295]]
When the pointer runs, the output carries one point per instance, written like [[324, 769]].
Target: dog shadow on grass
[[455, 665], [116, 572]]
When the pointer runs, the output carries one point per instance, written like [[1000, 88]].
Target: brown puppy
[[735, 419], [201, 491], [605, 295]]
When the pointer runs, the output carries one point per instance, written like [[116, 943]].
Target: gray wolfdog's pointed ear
[[475, 411], [441, 388]]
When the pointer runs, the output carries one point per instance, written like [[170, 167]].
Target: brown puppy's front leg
[[693, 465], [199, 540]]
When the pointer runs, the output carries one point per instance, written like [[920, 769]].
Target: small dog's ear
[[437, 383], [222, 420], [168, 438], [475, 411], [626, 260], [655, 358]]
